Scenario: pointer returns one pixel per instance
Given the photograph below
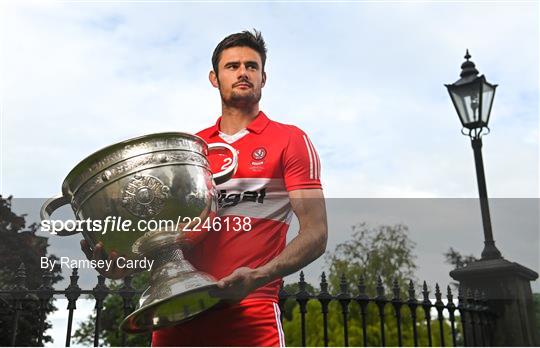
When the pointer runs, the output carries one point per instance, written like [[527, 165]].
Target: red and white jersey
[[273, 158]]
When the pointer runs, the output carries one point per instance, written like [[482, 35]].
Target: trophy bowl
[[163, 178]]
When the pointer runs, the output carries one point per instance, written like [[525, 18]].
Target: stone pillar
[[508, 291]]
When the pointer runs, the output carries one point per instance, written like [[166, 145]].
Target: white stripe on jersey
[[315, 160], [277, 314], [319, 166], [310, 157], [275, 204]]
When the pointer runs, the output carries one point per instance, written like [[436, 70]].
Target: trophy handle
[[50, 206], [228, 172]]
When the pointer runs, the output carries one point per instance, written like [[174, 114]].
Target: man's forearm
[[301, 251]]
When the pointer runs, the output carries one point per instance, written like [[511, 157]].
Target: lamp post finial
[[468, 68]]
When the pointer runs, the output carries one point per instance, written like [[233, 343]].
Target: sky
[[365, 80]]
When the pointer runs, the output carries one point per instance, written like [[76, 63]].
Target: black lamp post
[[473, 97]]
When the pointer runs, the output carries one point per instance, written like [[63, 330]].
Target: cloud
[[366, 84], [364, 80]]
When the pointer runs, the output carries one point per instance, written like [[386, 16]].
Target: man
[[278, 171]]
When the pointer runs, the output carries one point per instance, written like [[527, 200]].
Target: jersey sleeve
[[301, 164]]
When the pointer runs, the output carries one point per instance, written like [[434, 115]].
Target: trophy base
[[176, 294], [170, 311]]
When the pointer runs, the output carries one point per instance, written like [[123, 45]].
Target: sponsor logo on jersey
[[232, 199], [259, 153]]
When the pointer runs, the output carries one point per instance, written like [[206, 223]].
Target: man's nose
[[242, 72]]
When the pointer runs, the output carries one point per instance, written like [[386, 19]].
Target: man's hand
[[114, 272], [309, 207], [240, 283]]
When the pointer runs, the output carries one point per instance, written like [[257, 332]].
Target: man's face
[[240, 77]]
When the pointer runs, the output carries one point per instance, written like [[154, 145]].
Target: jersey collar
[[256, 126]]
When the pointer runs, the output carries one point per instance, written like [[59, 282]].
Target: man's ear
[[213, 79], [263, 78]]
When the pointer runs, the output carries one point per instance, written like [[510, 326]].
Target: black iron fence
[[467, 318]]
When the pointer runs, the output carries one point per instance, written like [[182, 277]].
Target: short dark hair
[[246, 38]]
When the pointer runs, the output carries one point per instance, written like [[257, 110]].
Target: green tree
[[111, 317], [457, 260], [292, 289], [454, 258], [372, 252], [20, 245], [385, 251]]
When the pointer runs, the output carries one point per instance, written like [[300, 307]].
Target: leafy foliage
[[384, 251], [372, 252], [454, 258], [292, 289], [111, 318], [20, 245], [315, 334]]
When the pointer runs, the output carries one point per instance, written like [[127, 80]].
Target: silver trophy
[[159, 177]]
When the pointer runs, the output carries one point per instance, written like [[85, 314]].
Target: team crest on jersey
[[259, 153]]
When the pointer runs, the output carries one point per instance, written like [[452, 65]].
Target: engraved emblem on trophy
[[165, 177]]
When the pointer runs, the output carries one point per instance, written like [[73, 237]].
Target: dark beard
[[241, 100]]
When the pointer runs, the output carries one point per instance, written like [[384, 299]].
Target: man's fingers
[[99, 253], [113, 255], [225, 282], [86, 249], [229, 280]]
